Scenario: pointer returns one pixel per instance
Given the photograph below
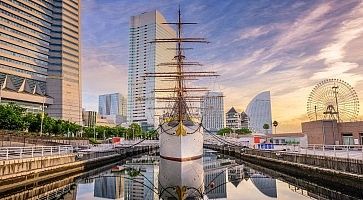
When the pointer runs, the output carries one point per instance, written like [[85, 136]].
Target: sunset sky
[[286, 47]]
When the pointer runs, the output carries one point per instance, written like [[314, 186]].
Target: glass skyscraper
[[112, 104], [144, 57], [39, 56]]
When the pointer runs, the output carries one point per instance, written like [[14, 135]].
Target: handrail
[[10, 153]]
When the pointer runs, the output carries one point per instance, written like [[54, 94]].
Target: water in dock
[[145, 177]]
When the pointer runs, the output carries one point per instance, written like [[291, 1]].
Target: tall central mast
[[180, 75], [179, 69]]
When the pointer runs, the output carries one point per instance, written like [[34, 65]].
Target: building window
[[348, 139]]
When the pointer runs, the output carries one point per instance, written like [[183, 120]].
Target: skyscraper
[[212, 110], [39, 56], [144, 57], [259, 113], [112, 106]]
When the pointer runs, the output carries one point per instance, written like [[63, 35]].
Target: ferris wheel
[[333, 99]]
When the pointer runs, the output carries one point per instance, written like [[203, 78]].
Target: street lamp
[[94, 132], [133, 133], [42, 118], [1, 90]]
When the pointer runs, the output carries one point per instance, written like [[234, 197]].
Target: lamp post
[[42, 118], [94, 132], [1, 91], [133, 133]]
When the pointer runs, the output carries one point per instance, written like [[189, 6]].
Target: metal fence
[[339, 151], [9, 153]]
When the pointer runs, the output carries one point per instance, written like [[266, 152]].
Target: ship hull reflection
[[181, 180]]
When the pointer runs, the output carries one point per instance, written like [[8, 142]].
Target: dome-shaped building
[[259, 113]]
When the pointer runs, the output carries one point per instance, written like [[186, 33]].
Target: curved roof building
[[259, 113], [265, 184]]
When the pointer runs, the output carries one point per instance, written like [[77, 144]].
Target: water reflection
[[152, 177]]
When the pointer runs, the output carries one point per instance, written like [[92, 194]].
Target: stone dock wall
[[22, 172], [337, 172]]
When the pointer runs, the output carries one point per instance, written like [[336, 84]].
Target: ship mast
[[180, 75]]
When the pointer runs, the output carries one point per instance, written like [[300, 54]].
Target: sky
[[286, 47]]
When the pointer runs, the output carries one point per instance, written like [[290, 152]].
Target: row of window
[[47, 30], [22, 71], [47, 4], [46, 10], [40, 62], [74, 9], [31, 9], [66, 47], [24, 42], [24, 49], [71, 73], [66, 34], [25, 14], [68, 17], [36, 68], [71, 80], [43, 36]]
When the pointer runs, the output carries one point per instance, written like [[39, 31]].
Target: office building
[[212, 111], [233, 119], [109, 187], [113, 107], [138, 188], [40, 56], [144, 57], [259, 113], [89, 118]]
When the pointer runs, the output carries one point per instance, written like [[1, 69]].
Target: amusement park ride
[[333, 99]]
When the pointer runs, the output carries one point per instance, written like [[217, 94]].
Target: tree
[[266, 127], [12, 117], [32, 122], [224, 131], [243, 131], [134, 130], [275, 124]]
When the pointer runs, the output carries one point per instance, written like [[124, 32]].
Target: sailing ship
[[180, 130]]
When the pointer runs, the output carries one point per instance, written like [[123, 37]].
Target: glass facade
[[112, 104], [40, 50], [259, 113]]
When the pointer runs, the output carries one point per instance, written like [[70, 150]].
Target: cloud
[[283, 47], [251, 33], [267, 67], [335, 51]]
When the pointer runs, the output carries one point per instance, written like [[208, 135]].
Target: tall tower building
[[212, 110], [144, 57], [40, 56]]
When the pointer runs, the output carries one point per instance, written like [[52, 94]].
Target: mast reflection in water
[[151, 177]]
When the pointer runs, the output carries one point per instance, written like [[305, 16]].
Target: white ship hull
[[181, 148], [181, 162]]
